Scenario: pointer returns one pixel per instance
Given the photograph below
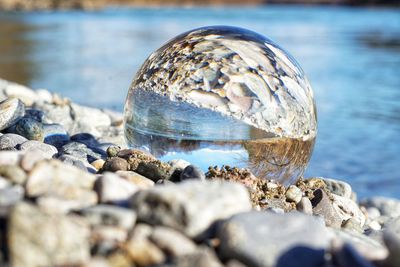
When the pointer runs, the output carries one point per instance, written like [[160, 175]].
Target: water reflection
[[15, 51]]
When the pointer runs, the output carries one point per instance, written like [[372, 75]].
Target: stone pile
[[72, 195]]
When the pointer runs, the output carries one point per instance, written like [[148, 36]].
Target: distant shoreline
[[16, 5]]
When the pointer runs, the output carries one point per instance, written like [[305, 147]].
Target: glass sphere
[[224, 96]]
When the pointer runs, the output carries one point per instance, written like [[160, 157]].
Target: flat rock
[[191, 206], [81, 151], [137, 179], [112, 188], [53, 178], [11, 140], [323, 206], [172, 242], [110, 215], [365, 246], [36, 238], [253, 239], [48, 151], [11, 110], [13, 173]]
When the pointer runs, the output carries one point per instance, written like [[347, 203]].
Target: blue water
[[350, 55]]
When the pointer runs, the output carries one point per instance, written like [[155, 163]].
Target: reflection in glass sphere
[[224, 96]]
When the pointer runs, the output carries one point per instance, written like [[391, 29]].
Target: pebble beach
[[73, 194]]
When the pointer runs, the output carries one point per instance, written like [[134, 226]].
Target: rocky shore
[[72, 194]]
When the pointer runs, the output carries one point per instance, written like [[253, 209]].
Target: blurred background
[[89, 50]]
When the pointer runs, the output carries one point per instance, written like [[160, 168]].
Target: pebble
[[72, 161], [323, 207], [13, 173], [387, 206], [110, 215], [4, 183], [337, 187], [141, 250], [115, 164], [247, 237], [202, 257], [348, 209], [30, 129], [112, 151], [35, 114], [365, 246], [25, 94], [98, 164], [177, 166], [352, 225], [154, 170], [47, 151], [293, 194], [53, 178], [192, 172], [112, 188], [137, 179], [305, 206], [11, 195], [81, 151], [172, 242], [10, 157], [85, 138], [209, 201], [11, 140], [11, 111], [55, 135], [36, 238]]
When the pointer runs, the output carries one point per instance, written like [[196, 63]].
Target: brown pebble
[[115, 164]]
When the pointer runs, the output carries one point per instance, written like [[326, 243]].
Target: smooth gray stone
[[112, 188], [11, 111], [366, 246], [110, 215], [81, 151], [266, 239], [338, 187], [46, 150], [323, 206], [191, 206], [38, 238], [305, 206], [11, 140], [30, 128], [71, 160], [387, 206], [192, 172]]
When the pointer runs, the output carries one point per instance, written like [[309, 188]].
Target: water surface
[[351, 57]]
